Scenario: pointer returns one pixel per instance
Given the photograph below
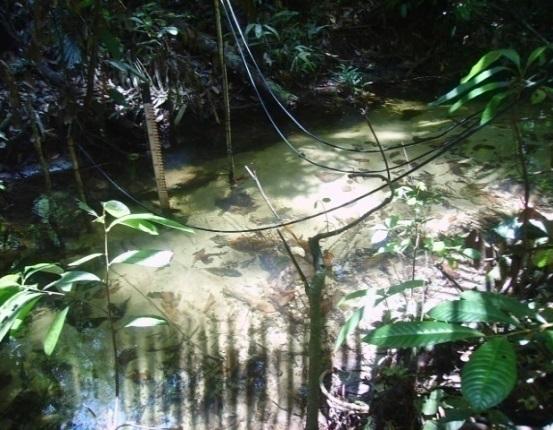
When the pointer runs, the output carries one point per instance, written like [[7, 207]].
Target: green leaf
[[461, 89], [22, 314], [396, 289], [7, 292], [146, 322], [543, 258], [490, 375], [511, 55], [11, 307], [53, 335], [151, 218], [482, 64], [468, 311], [348, 328], [65, 283], [536, 55], [82, 205], [538, 96], [85, 259], [142, 225], [29, 271], [414, 334], [500, 301], [145, 257], [477, 92], [352, 296], [11, 280], [493, 106], [117, 97], [116, 208]]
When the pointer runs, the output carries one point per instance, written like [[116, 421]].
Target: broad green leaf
[[512, 56], [493, 106], [536, 55], [22, 314], [7, 292], [414, 334], [482, 64], [116, 208], [65, 283], [85, 259], [53, 335], [461, 89], [468, 311], [151, 218], [543, 258], [145, 257], [396, 289], [142, 225], [500, 301], [146, 322], [477, 92], [490, 374], [352, 296], [11, 280], [350, 325], [10, 308], [538, 96], [41, 267]]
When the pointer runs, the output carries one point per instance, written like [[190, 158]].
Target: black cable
[[441, 151], [233, 23], [374, 173], [301, 155]]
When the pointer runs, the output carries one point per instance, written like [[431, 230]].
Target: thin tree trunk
[[226, 97], [75, 164]]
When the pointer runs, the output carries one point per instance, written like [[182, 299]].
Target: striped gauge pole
[[155, 148]]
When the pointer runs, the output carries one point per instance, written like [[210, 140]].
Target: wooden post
[[75, 163], [155, 148], [226, 98]]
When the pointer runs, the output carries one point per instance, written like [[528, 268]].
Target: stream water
[[234, 353]]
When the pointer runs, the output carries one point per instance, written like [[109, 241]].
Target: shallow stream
[[234, 353]]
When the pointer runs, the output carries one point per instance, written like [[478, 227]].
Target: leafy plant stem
[[525, 215], [111, 321]]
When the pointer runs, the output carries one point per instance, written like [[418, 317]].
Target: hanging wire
[[235, 28], [299, 154], [198, 227]]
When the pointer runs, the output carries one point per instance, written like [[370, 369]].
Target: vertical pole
[[75, 163], [226, 98], [155, 148]]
